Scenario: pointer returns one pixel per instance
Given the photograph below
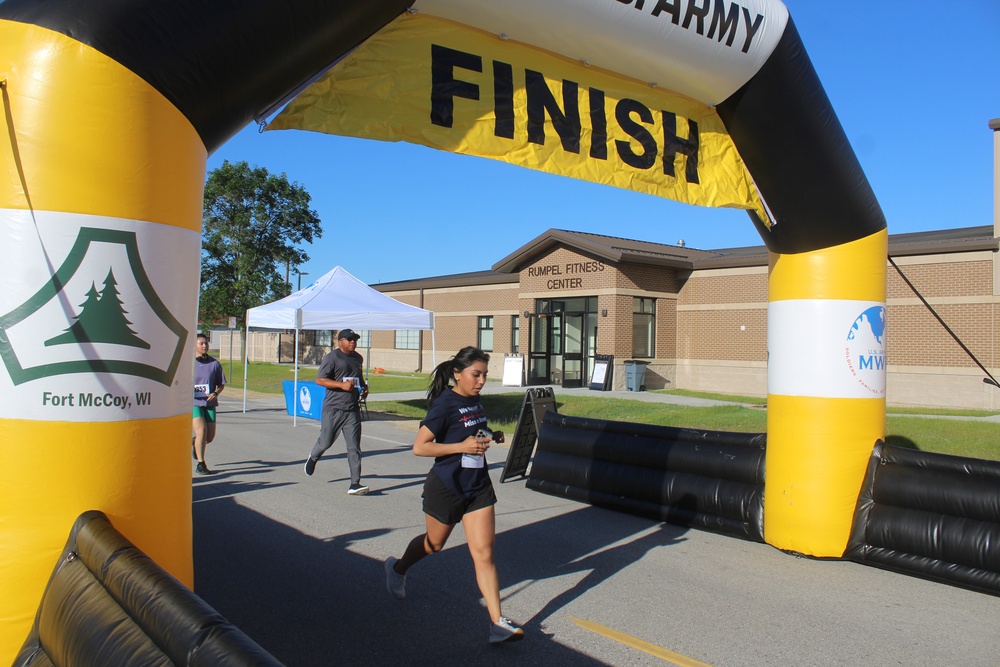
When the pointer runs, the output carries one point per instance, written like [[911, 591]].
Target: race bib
[[473, 460]]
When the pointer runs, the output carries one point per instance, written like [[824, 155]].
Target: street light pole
[[301, 273]]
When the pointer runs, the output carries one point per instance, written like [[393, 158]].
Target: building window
[[407, 340], [324, 337], [515, 334], [486, 333], [643, 327], [366, 338]]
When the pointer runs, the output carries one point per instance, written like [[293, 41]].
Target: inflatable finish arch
[[111, 108]]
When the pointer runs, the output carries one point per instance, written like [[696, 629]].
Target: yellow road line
[[646, 647]]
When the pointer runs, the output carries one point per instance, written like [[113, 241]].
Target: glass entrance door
[[574, 343], [563, 335], [555, 348], [538, 352]]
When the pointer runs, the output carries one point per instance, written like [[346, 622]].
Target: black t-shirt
[[338, 366], [452, 418]]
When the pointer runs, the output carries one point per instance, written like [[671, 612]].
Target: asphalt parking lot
[[297, 564]]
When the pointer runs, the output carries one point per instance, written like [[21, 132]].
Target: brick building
[[698, 318]]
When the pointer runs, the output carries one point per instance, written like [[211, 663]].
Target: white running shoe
[[394, 581], [505, 631]]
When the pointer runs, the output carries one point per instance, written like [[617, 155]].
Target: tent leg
[[246, 360], [295, 393]]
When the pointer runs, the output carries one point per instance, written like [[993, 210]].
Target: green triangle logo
[[101, 318]]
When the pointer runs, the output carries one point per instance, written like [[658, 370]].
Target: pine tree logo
[[100, 337], [101, 320]]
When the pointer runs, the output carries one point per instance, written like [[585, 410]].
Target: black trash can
[[635, 375]]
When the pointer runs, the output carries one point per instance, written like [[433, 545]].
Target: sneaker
[[357, 490], [202, 469], [505, 631], [310, 466], [394, 581]]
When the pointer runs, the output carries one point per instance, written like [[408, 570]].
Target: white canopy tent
[[335, 301]]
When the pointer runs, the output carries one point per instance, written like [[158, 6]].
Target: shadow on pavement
[[315, 601]]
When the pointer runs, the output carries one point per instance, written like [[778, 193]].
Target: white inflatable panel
[[826, 348], [638, 38]]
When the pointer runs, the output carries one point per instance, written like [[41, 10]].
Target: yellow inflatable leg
[[99, 241], [826, 390]]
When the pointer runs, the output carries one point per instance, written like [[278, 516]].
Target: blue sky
[[914, 85]]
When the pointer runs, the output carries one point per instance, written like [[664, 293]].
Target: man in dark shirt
[[341, 373]]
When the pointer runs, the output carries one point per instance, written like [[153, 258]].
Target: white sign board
[[513, 370]]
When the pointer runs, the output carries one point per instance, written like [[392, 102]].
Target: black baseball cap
[[348, 334]]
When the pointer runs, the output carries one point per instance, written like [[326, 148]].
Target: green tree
[[252, 227]]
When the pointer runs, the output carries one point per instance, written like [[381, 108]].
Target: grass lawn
[[947, 436], [267, 378]]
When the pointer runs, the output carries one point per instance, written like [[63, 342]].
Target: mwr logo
[[305, 398], [99, 313], [865, 351]]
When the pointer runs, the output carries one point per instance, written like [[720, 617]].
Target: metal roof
[[617, 250]]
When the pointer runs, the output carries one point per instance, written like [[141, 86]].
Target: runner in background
[[209, 381]]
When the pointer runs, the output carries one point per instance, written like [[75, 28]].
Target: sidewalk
[[258, 400], [644, 396], [497, 388]]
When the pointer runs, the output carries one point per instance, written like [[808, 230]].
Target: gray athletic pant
[[335, 421]]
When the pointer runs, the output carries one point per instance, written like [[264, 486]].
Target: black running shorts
[[443, 505]]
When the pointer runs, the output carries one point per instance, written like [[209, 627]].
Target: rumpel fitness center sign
[[569, 268]]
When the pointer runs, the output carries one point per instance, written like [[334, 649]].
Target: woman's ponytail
[[445, 371]]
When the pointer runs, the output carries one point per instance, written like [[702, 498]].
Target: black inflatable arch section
[[222, 63], [930, 515], [713, 480], [226, 63], [919, 513], [108, 603], [795, 147]]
